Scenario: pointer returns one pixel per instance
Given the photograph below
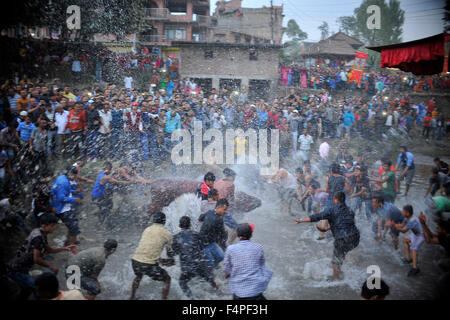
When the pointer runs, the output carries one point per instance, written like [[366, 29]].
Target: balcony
[[157, 14], [152, 38], [205, 20], [200, 3]]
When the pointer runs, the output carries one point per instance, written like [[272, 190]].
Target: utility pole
[[271, 19]]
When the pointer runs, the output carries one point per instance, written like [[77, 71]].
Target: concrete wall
[[230, 63]]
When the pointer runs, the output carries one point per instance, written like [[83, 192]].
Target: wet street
[[301, 264]]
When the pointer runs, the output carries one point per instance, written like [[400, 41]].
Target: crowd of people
[[338, 78], [46, 122]]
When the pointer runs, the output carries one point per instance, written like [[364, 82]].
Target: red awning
[[421, 57]]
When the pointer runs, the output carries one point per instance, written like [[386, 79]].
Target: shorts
[[71, 222], [342, 247], [153, 271], [416, 241], [408, 177]]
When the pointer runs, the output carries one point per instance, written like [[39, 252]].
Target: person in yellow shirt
[[148, 254], [69, 95], [240, 145]]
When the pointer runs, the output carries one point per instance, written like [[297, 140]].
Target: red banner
[[358, 67]]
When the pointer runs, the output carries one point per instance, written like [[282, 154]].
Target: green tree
[[119, 17], [324, 30], [392, 18], [294, 32], [291, 52], [347, 25]]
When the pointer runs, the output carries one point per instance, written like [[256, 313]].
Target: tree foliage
[[296, 35], [294, 32], [347, 25], [119, 17], [324, 30], [392, 18]]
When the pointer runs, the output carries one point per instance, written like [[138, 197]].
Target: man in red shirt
[[431, 104], [76, 123]]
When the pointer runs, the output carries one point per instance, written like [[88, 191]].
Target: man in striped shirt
[[245, 266]]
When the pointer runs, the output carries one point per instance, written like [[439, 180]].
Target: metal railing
[[151, 38], [157, 13]]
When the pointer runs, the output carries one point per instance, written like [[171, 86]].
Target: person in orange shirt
[[76, 123]]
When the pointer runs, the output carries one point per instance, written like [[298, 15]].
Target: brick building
[[235, 24], [231, 66]]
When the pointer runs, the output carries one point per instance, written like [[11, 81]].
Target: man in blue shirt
[[213, 233], [349, 118], [25, 129], [406, 161], [342, 224], [386, 214], [102, 193], [63, 201], [244, 265], [189, 245]]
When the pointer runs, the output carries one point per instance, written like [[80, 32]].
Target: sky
[[422, 17]]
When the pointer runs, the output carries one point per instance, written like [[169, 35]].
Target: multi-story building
[[247, 25], [175, 20]]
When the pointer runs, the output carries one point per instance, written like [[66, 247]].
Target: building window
[[175, 33], [253, 54], [208, 54]]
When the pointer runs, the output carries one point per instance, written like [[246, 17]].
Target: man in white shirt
[[389, 119], [128, 81], [104, 137], [305, 141], [61, 117]]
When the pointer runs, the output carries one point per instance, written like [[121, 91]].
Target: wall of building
[[230, 63], [253, 21]]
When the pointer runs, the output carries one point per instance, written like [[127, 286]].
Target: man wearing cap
[[25, 129], [91, 262], [244, 265]]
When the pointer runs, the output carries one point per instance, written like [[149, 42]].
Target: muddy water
[[300, 263]]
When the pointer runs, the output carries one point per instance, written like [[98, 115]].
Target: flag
[[358, 67]]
